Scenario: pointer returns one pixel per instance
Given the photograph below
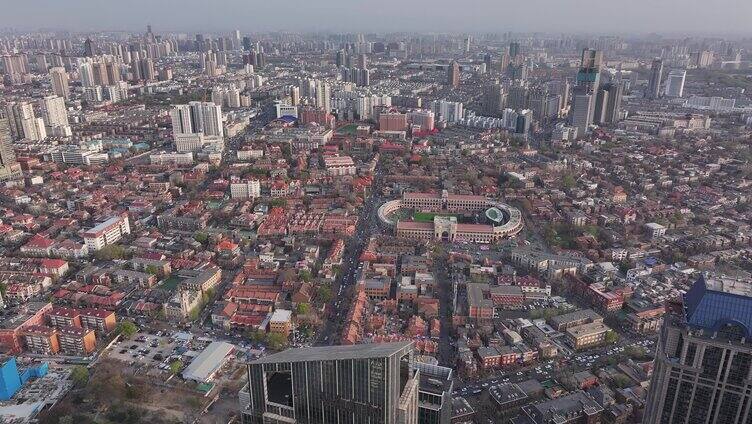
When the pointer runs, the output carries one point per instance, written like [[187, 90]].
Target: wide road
[[445, 294], [368, 224]]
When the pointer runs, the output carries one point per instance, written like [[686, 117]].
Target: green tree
[[636, 352], [611, 337], [194, 314], [324, 293], [153, 270], [108, 253], [255, 335], [276, 341], [65, 419], [201, 237], [302, 309], [622, 381], [127, 329], [80, 375], [568, 181], [3, 289], [305, 275], [176, 366]]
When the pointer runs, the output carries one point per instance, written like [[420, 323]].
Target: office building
[[10, 380], [366, 383], [524, 120], [494, 100], [654, 84], [453, 74], [675, 83], [601, 102], [583, 107], [587, 335], [339, 59], [588, 75], [488, 61], [59, 80], [294, 96], [514, 51], [612, 105], [517, 71], [9, 167], [88, 48], [704, 356], [248, 189], [108, 232], [434, 394]]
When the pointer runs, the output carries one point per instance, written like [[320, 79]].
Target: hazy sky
[[593, 16]]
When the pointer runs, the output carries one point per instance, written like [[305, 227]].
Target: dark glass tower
[[702, 366], [370, 383]]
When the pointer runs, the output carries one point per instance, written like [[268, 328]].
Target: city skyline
[[670, 17], [212, 214]]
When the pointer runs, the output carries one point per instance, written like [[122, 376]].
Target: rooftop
[[712, 304], [208, 361], [362, 351]]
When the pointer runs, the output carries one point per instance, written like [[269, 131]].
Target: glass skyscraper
[[702, 366], [361, 384]]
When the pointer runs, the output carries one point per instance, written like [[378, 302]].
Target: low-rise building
[[41, 339], [281, 322], [76, 341], [108, 232], [587, 335]]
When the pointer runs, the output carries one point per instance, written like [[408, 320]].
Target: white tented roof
[[208, 362]]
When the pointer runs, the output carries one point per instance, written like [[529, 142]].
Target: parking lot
[[145, 349]]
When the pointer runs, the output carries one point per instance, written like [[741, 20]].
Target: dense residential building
[[60, 84]]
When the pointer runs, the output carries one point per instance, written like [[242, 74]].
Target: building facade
[[704, 357], [373, 383]]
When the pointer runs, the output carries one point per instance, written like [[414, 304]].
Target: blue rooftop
[[710, 307]]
